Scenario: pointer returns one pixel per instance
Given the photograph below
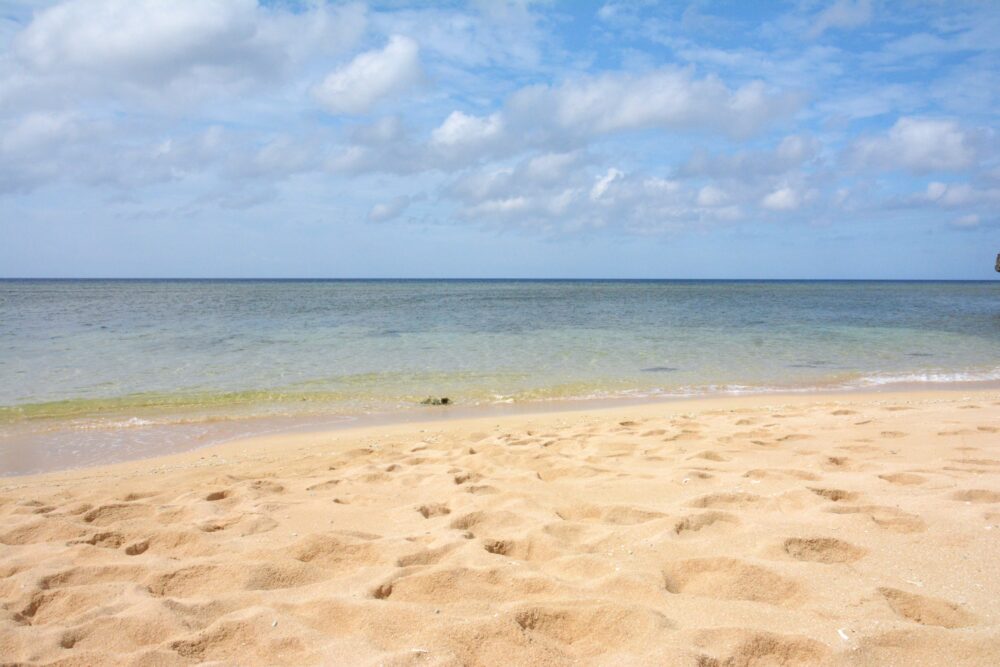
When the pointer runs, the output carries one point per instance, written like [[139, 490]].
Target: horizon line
[[469, 279]]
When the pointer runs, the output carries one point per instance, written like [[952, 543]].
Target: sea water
[[90, 370]]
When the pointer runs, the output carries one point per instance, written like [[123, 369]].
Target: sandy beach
[[858, 529]]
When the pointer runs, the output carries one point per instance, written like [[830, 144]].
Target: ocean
[[93, 371]]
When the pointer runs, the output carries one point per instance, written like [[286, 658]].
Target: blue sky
[[217, 138]]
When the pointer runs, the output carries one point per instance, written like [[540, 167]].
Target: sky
[[236, 138]]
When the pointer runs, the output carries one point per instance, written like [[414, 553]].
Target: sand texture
[[812, 530]]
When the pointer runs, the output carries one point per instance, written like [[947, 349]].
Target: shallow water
[[102, 364]]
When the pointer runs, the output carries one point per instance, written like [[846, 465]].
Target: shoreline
[[431, 417], [231, 429]]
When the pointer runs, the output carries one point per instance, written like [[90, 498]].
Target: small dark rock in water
[[809, 364], [660, 369], [431, 400]]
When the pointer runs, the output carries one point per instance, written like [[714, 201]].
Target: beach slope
[[804, 530]]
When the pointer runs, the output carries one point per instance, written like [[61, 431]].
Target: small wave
[[133, 422], [935, 377]]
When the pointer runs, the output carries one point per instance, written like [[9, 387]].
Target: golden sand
[[833, 530]]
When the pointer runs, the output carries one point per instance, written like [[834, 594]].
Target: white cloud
[[668, 98], [38, 131], [490, 33], [919, 144], [710, 195], [791, 153], [569, 115], [603, 183], [137, 35], [966, 221], [147, 43], [957, 194], [503, 206], [782, 199], [371, 77], [563, 193], [842, 14], [460, 131]]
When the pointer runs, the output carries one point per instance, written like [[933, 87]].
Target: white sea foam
[[936, 377]]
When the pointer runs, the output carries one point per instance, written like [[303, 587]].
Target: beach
[[808, 529]]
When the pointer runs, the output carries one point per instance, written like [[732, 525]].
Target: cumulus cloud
[[919, 144], [138, 37], [105, 45], [371, 77], [569, 115], [462, 136], [668, 98], [782, 199], [570, 193], [220, 102]]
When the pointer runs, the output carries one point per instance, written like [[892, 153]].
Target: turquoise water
[[98, 358]]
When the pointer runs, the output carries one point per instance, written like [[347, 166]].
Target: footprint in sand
[[137, 548], [822, 550], [926, 610], [903, 478], [838, 464], [487, 521], [781, 473], [726, 500], [889, 518], [106, 540], [602, 625], [709, 455], [835, 495], [536, 548], [428, 556], [977, 496], [333, 551], [434, 509], [697, 522], [323, 486], [732, 647], [92, 574], [729, 579], [109, 514], [460, 584], [978, 462], [621, 515]]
